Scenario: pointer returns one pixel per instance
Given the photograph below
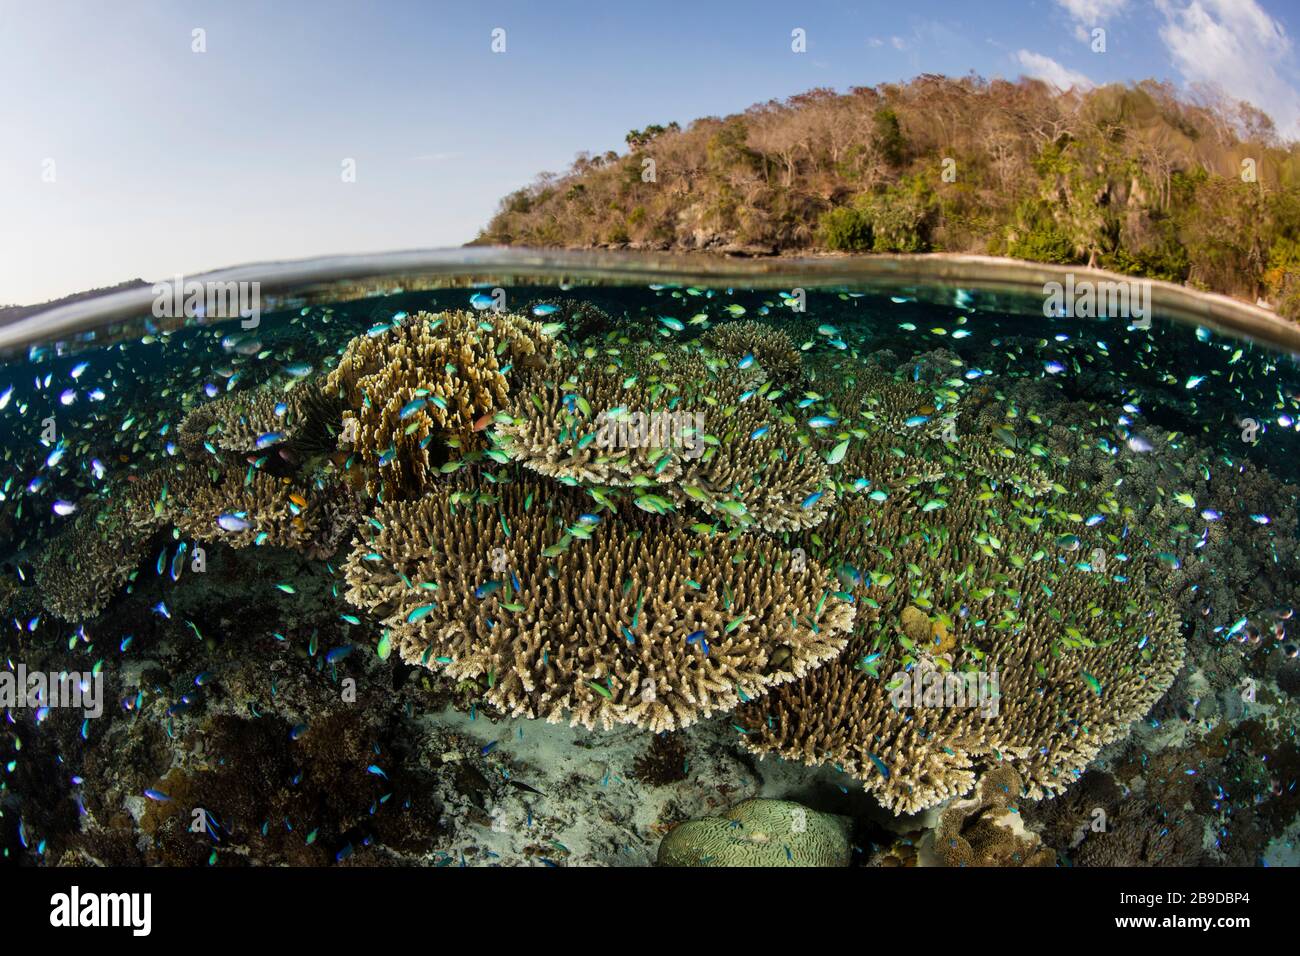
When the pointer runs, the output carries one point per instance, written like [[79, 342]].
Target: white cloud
[[1039, 67], [1092, 12], [1236, 46]]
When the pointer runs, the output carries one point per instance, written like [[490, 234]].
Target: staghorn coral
[[423, 390], [986, 829], [770, 346], [628, 620], [759, 832]]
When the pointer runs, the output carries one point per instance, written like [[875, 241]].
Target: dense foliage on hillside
[[1138, 179]]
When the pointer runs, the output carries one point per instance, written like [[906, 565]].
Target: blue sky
[[124, 153]]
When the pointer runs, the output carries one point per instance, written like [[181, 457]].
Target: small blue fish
[[419, 612], [698, 638], [338, 654], [233, 521], [411, 407]]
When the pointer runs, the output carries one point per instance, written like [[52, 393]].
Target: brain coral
[[617, 618], [759, 833]]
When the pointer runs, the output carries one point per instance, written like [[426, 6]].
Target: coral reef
[[1068, 655]]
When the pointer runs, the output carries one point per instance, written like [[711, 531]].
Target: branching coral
[[241, 510], [610, 620], [254, 419], [80, 570], [687, 426], [770, 346], [774, 833], [423, 390]]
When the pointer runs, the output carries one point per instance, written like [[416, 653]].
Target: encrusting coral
[[770, 833], [422, 391], [609, 619]]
